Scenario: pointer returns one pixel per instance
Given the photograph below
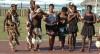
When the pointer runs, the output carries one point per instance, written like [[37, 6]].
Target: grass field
[[23, 31]]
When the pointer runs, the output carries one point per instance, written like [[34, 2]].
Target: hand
[[98, 20]]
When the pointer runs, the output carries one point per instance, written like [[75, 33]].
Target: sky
[[45, 1]]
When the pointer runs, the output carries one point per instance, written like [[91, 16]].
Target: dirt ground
[[21, 49]]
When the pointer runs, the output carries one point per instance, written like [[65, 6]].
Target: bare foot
[[82, 50]]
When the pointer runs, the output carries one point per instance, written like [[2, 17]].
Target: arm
[[16, 28], [71, 17], [4, 22], [79, 16], [94, 18], [28, 14], [34, 15], [45, 17], [18, 21], [7, 15]]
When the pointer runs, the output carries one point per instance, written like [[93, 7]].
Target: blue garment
[[51, 19]]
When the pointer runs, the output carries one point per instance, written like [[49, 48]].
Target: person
[[51, 25], [12, 29], [29, 24], [88, 29], [37, 26], [73, 18], [35, 16], [15, 16], [62, 26]]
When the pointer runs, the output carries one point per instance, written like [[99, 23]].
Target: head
[[51, 7], [32, 4], [13, 7], [37, 6], [70, 4], [74, 8], [89, 8], [64, 10]]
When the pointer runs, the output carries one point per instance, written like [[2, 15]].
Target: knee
[[51, 37]]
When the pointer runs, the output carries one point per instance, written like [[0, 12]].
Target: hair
[[64, 9], [75, 7], [37, 6], [51, 5], [70, 3], [13, 5], [32, 1], [90, 6]]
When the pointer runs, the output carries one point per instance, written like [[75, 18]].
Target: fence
[[21, 12]]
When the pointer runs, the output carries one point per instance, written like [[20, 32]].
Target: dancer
[[73, 18], [88, 27], [29, 24], [62, 26], [51, 25], [12, 29]]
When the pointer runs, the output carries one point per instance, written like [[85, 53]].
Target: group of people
[[57, 24]]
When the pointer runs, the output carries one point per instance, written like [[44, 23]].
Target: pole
[[96, 6], [45, 6]]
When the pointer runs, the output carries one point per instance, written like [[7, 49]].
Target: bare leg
[[74, 39], [83, 43], [90, 42], [11, 43], [17, 41], [70, 42], [51, 42], [29, 43], [62, 43]]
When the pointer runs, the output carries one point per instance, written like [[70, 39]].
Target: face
[[14, 8], [51, 8], [89, 9], [32, 4], [73, 9]]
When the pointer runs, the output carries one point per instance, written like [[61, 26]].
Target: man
[[29, 23], [11, 27], [35, 16]]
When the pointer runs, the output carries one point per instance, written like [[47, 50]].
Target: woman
[[73, 18], [88, 27], [62, 26], [51, 24], [12, 29]]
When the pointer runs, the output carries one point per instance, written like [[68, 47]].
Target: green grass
[[23, 31]]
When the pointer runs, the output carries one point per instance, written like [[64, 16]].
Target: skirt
[[88, 30], [62, 31], [72, 29], [51, 29]]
